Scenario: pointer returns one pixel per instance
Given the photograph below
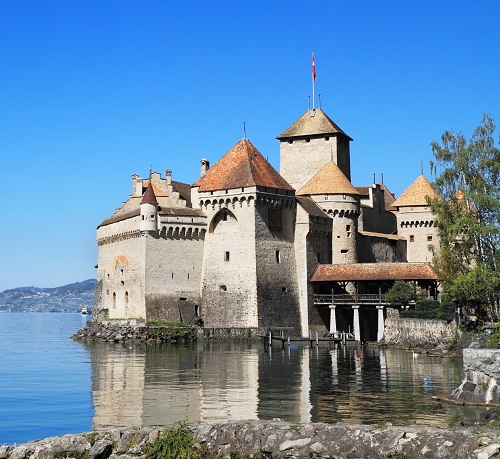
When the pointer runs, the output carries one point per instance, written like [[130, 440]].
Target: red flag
[[313, 68]]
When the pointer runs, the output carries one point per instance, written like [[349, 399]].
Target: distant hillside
[[68, 298]]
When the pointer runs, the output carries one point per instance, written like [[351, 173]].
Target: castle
[[246, 247]]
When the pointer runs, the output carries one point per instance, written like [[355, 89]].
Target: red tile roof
[[374, 271], [329, 180], [416, 194], [312, 122], [149, 195], [242, 166]]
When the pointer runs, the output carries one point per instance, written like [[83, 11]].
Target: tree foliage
[[468, 259], [401, 293]]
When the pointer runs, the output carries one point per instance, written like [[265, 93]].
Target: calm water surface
[[51, 385]]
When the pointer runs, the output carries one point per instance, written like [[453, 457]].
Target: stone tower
[[416, 222], [249, 273], [334, 194], [308, 144]]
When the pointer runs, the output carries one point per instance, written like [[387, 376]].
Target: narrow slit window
[[278, 256], [226, 256]]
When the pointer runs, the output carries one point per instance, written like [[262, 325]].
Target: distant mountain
[[68, 298]]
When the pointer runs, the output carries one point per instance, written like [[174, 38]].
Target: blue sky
[[92, 92]]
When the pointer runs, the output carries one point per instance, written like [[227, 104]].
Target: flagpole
[[313, 78]]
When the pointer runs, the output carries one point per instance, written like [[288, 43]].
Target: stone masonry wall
[[229, 266], [274, 439], [121, 269], [277, 287], [417, 332], [482, 373], [303, 158], [414, 223], [173, 277]]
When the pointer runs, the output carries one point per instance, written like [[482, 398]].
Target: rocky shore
[[116, 332], [276, 439]]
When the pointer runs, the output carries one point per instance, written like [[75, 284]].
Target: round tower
[[149, 210], [416, 222], [334, 194]]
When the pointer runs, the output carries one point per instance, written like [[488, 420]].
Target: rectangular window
[[412, 238], [348, 228], [318, 255], [278, 256], [284, 289], [226, 256], [429, 238]]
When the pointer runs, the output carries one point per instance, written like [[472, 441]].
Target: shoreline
[[276, 439]]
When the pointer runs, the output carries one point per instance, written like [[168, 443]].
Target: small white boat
[[84, 311]]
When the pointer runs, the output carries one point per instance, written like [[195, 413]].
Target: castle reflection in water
[[149, 385]]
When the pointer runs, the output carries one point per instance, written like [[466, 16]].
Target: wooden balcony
[[375, 299]]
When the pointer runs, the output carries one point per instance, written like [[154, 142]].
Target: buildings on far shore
[[246, 246]]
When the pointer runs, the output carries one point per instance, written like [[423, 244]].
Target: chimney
[[205, 165], [136, 185], [168, 176]]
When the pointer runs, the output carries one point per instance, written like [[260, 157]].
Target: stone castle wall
[[173, 277], [379, 249], [301, 159], [419, 227], [121, 272], [277, 287], [229, 265]]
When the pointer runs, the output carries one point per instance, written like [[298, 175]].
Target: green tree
[[401, 293], [469, 215]]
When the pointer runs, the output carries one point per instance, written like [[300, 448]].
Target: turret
[[149, 210], [416, 222], [334, 194]]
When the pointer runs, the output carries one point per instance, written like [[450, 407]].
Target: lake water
[[51, 385]]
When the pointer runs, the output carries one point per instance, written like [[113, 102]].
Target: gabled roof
[[311, 123], [415, 194], [149, 196], [374, 271], [242, 166], [329, 180]]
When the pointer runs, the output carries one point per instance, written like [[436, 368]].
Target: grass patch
[[176, 442]]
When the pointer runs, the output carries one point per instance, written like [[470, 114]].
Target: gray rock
[[101, 450], [291, 444]]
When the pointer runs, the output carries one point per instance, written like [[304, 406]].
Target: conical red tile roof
[[149, 195], [329, 180], [242, 166], [416, 193]]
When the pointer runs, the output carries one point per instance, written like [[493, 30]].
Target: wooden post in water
[[317, 339], [270, 338]]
